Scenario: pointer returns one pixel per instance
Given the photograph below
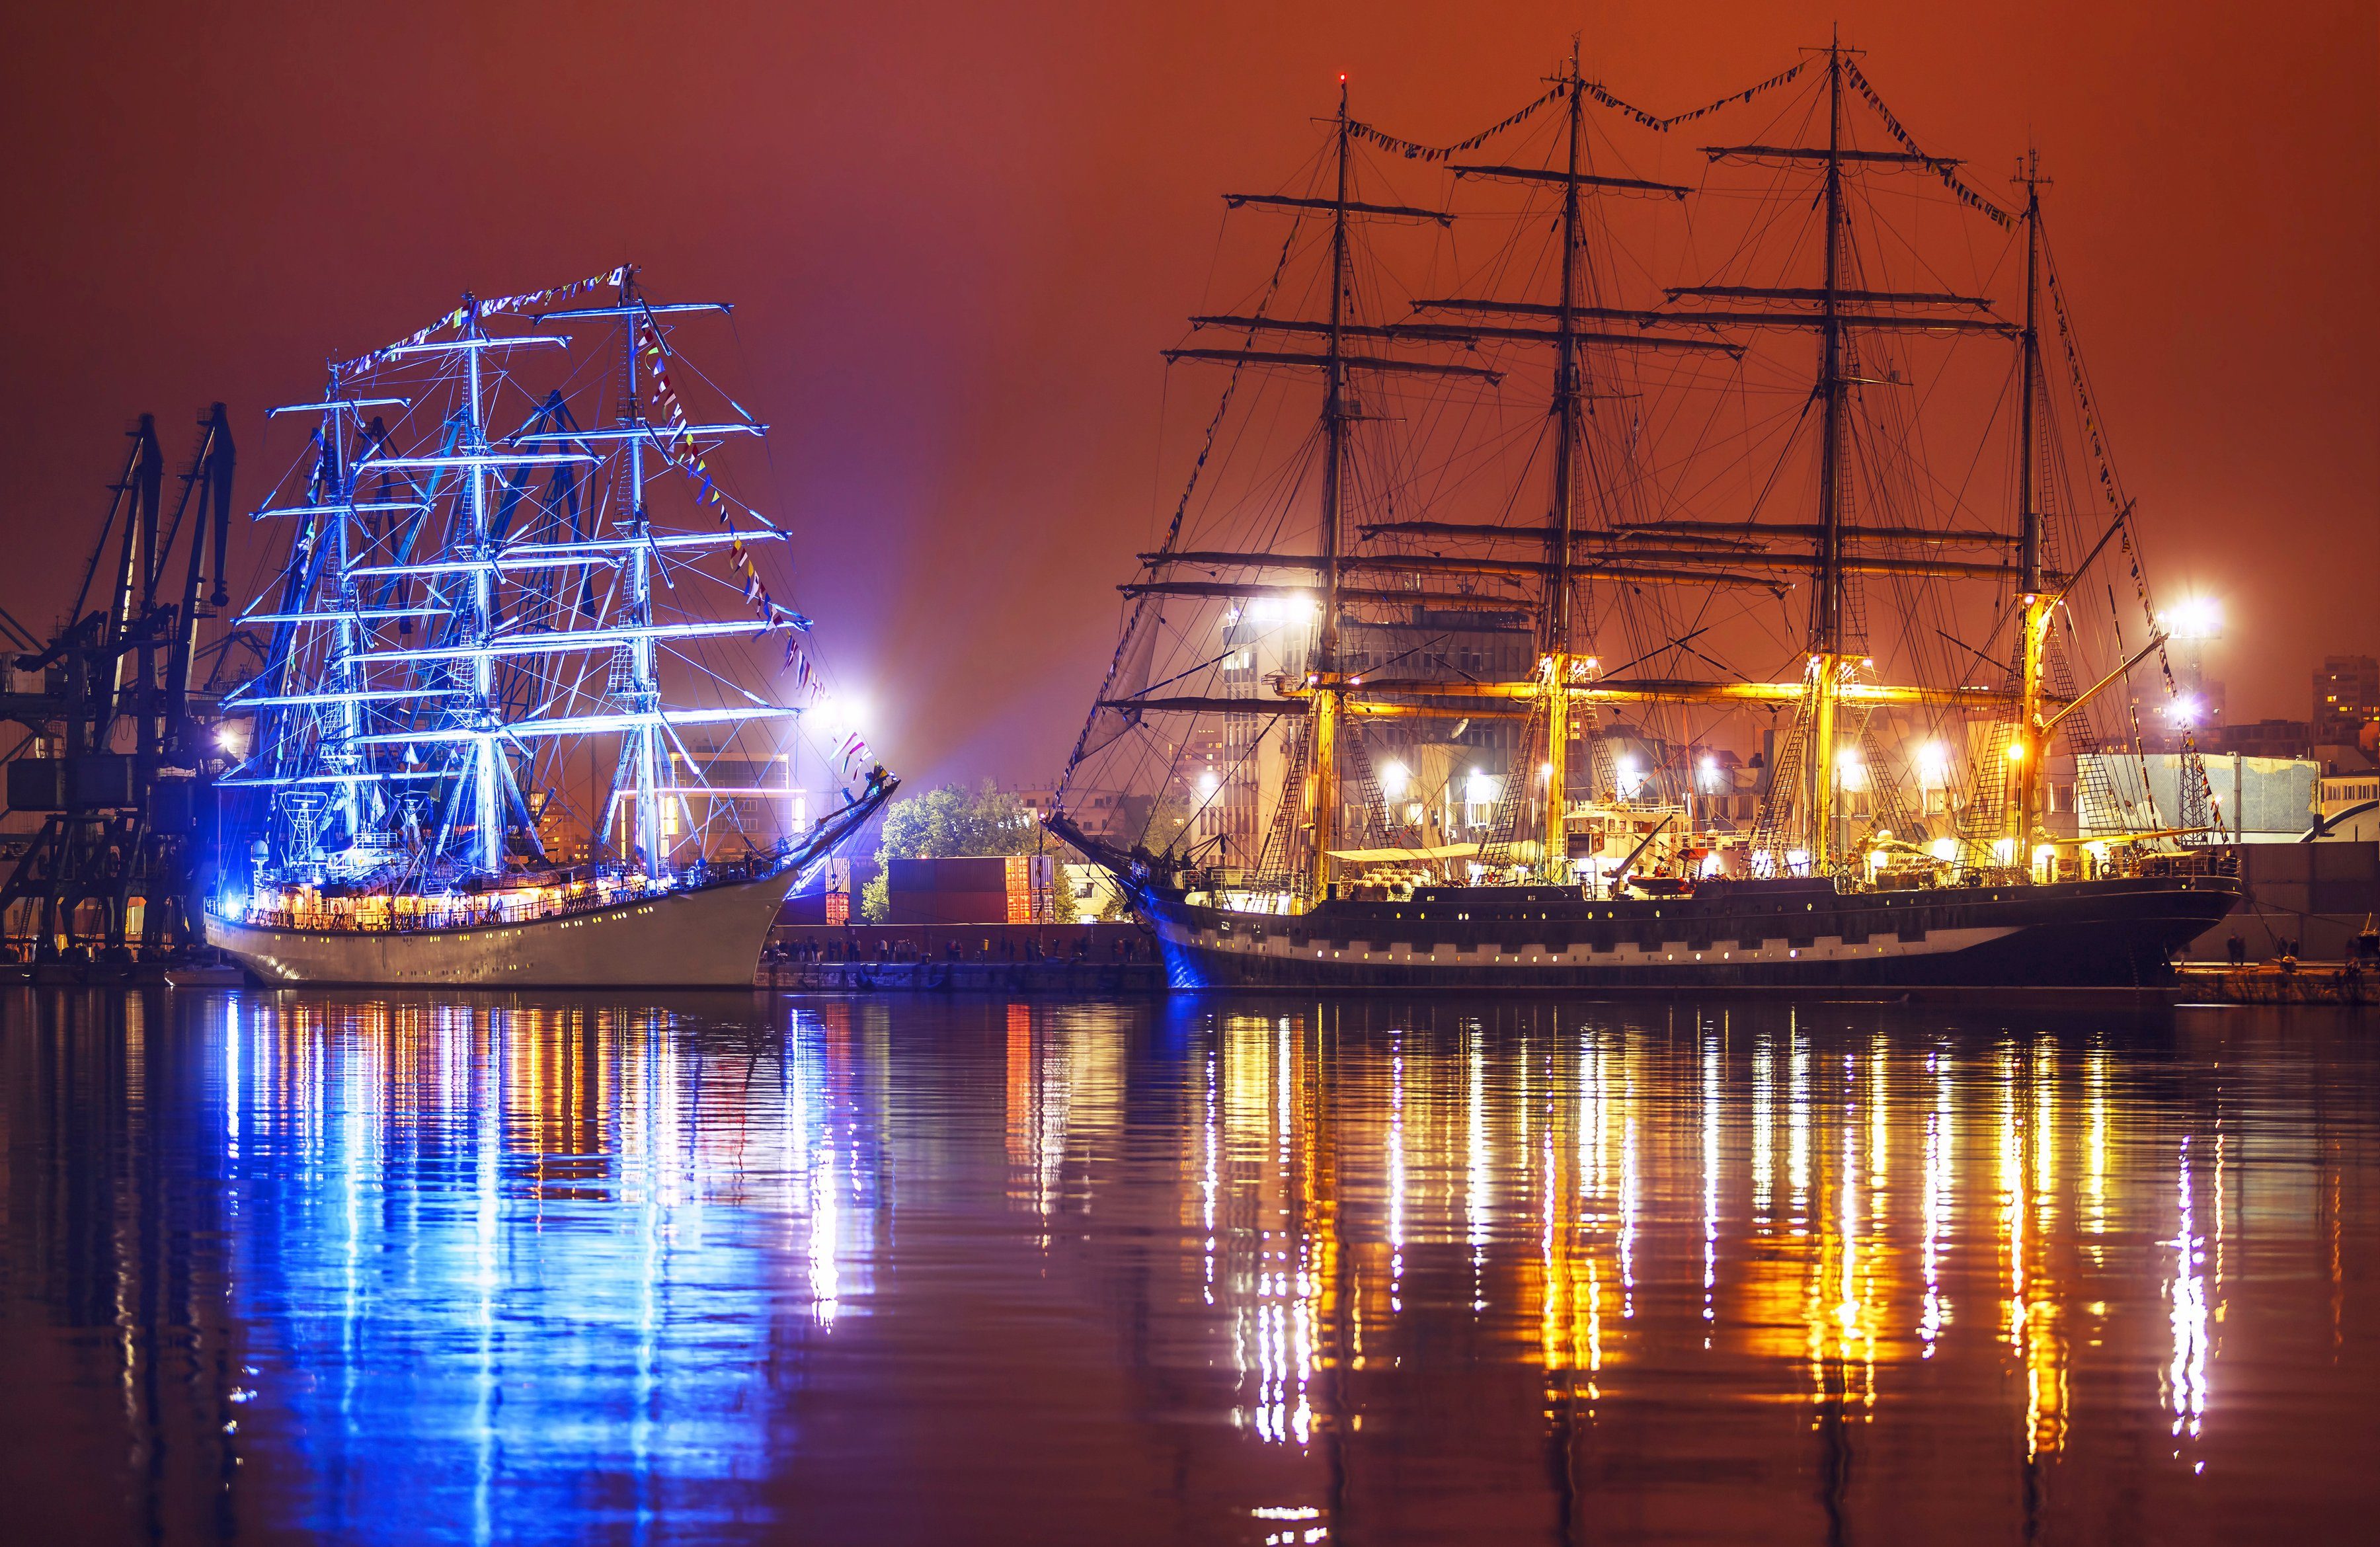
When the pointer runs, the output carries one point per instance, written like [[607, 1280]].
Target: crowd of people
[[851, 945]]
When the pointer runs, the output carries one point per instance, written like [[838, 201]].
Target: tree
[[953, 821], [947, 824]]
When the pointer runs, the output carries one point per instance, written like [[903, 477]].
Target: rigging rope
[[1172, 528], [2193, 767]]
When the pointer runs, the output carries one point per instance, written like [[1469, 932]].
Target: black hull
[[1794, 934]]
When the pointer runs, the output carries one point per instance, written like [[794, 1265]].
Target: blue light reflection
[[526, 1231]]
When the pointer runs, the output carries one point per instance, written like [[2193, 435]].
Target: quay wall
[[2317, 894]]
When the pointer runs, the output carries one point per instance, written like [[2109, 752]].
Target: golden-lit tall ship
[[1503, 490]]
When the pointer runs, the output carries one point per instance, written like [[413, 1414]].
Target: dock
[[1087, 980]]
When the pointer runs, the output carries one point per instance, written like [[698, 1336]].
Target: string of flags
[[677, 444], [1412, 150], [2122, 509], [1663, 126], [1944, 169], [522, 303]]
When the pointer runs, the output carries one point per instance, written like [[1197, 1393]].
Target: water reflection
[[501, 1269]]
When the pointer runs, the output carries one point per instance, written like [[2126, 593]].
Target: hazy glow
[[2199, 617], [841, 713], [1284, 609]]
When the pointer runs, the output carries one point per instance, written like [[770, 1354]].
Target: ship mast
[[486, 809], [641, 746], [1323, 751], [2029, 745], [1556, 665], [1827, 606], [337, 486]]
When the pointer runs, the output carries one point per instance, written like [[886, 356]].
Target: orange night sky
[[959, 235]]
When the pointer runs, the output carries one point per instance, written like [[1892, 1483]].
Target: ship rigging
[[505, 548], [1669, 426]]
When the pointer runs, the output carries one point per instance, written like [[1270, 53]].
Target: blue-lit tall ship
[[520, 569], [1777, 437]]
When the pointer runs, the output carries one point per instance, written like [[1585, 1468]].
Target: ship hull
[[1784, 934], [706, 937]]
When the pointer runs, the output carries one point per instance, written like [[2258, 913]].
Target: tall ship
[[504, 727], [1633, 551]]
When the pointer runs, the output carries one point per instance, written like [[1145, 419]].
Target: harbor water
[[540, 1267]]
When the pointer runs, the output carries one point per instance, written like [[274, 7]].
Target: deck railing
[[463, 910]]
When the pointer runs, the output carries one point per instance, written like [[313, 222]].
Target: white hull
[[707, 938]]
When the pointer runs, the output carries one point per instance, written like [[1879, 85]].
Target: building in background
[[731, 799], [2346, 807], [2259, 739], [2345, 697]]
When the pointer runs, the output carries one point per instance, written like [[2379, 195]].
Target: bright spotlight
[[2199, 617], [841, 713], [1943, 849], [1934, 765], [1394, 776]]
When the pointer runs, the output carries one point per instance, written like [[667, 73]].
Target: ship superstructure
[[1734, 482], [520, 576]]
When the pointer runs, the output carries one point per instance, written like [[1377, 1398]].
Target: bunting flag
[[677, 444], [462, 314], [1663, 126], [1412, 150], [797, 660], [853, 754], [1947, 171]]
